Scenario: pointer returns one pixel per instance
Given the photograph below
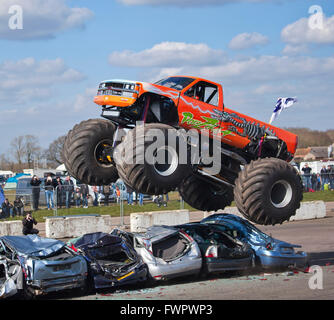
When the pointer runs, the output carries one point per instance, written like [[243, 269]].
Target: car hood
[[33, 245]]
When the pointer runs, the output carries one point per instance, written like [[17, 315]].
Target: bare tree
[[32, 149], [25, 149], [5, 163], [311, 138], [54, 153], [18, 149]]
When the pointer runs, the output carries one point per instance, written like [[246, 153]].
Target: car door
[[200, 106]]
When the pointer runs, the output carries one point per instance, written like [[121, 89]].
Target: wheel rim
[[166, 168], [281, 194], [103, 153]]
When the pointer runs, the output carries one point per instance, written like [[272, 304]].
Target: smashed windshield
[[177, 83]]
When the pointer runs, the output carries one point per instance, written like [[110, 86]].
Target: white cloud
[[247, 40], [187, 3], [169, 58], [260, 69], [85, 101], [252, 85], [28, 79], [300, 32], [42, 18], [291, 49], [168, 54]]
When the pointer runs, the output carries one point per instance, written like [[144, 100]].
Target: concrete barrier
[[11, 228], [140, 221], [310, 210], [71, 227], [307, 210]]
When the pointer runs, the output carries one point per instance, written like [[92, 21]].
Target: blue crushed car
[[269, 252], [112, 262], [34, 265]]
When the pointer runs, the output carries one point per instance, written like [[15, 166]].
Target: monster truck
[[254, 167]]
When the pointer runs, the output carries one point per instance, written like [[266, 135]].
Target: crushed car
[[269, 252], [10, 278], [168, 252], [111, 261], [220, 252], [33, 265]]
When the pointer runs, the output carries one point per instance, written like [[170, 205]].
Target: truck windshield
[[177, 83]]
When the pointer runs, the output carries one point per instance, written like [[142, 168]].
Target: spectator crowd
[[65, 192], [318, 181]]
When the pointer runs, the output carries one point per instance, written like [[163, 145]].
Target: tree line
[[25, 151], [313, 138]]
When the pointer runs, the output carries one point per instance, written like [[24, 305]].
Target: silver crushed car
[[269, 252], [34, 265], [168, 252]]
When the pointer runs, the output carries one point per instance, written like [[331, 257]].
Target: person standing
[[141, 199], [68, 189], [96, 195], [106, 193], [28, 223], [59, 192], [77, 197], [307, 177], [49, 186], [330, 172], [36, 189], [324, 177], [118, 195], [129, 196], [84, 192]]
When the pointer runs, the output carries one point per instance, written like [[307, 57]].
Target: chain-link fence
[[73, 199]]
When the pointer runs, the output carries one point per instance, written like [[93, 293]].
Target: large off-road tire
[[139, 171], [203, 195], [268, 191], [83, 149]]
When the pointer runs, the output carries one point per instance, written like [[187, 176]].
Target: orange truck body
[[227, 124]]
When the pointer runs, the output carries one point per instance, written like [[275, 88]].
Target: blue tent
[[16, 177]]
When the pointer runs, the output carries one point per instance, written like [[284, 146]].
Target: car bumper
[[52, 285], [182, 268], [283, 261], [134, 276], [219, 265]]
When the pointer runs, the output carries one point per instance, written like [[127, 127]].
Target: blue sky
[[258, 50]]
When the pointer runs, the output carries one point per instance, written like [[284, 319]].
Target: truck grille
[[116, 89]]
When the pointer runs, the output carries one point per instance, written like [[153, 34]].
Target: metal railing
[[318, 181]]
